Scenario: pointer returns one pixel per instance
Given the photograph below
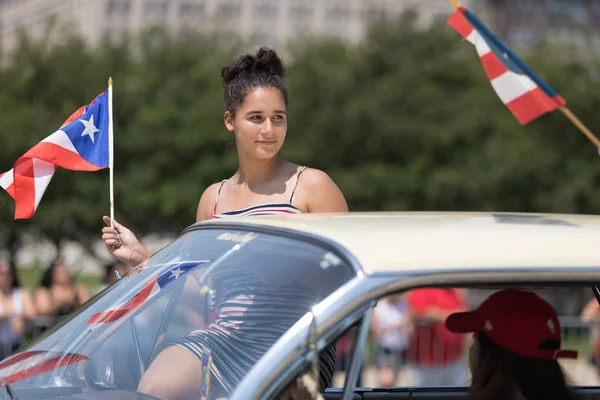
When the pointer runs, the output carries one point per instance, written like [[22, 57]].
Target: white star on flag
[[175, 273], [90, 128]]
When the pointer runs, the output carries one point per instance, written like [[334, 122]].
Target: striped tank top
[[252, 315], [262, 209]]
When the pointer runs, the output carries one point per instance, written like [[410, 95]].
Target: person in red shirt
[[436, 354]]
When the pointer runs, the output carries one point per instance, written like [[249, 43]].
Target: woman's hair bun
[[264, 61]]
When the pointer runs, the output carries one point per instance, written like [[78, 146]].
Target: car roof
[[449, 241]]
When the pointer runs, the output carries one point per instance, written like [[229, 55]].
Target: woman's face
[[6, 278], [260, 124], [61, 274]]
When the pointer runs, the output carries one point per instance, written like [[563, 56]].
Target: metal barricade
[[33, 328], [433, 349]]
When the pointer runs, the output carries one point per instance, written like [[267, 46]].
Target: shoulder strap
[[296, 184], [217, 196]]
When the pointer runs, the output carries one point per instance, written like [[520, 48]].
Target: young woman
[[591, 314], [109, 273], [57, 296], [16, 306], [515, 349], [256, 98], [391, 325]]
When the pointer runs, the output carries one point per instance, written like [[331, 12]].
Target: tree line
[[406, 120]]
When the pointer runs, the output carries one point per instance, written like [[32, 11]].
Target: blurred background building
[[269, 22], [528, 22]]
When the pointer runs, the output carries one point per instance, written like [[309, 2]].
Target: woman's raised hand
[[122, 243]]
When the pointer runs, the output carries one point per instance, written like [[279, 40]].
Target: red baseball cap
[[517, 320]]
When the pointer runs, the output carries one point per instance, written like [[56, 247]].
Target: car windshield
[[233, 292]]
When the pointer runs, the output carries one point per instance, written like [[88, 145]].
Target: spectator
[[390, 325], [57, 295], [343, 355], [109, 273], [436, 354], [591, 314], [16, 306]]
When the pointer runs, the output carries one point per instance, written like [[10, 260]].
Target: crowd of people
[[25, 313], [413, 345], [409, 329]]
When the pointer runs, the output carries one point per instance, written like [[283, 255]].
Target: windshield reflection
[[198, 315]]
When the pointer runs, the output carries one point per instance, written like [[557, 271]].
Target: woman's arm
[[591, 312], [29, 309], [319, 193], [44, 303], [83, 294], [207, 203], [376, 331], [18, 320]]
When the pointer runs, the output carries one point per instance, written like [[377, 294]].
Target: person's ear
[[228, 120]]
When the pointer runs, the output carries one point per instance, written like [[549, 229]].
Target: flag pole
[[111, 152], [564, 109], [581, 127]]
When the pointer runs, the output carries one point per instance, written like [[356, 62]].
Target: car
[[348, 262]]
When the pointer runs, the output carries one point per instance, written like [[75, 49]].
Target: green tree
[[405, 120]]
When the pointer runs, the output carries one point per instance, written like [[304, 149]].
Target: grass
[[30, 278], [581, 343]]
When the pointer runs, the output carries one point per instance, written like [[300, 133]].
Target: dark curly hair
[[262, 69], [46, 279], [12, 266]]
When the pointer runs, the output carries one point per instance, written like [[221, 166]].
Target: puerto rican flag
[[525, 94], [31, 363], [81, 144], [157, 283]]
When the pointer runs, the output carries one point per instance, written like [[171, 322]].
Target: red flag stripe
[[493, 66], [24, 189], [531, 105], [18, 357], [458, 21], [130, 305], [75, 115], [60, 157], [45, 366], [79, 112]]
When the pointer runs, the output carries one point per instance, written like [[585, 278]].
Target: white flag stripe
[[61, 139], [479, 42], [510, 86], [7, 179], [43, 172]]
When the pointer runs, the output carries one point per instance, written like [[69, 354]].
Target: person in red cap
[[516, 345]]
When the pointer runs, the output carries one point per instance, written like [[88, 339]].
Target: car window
[[409, 345], [239, 288]]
